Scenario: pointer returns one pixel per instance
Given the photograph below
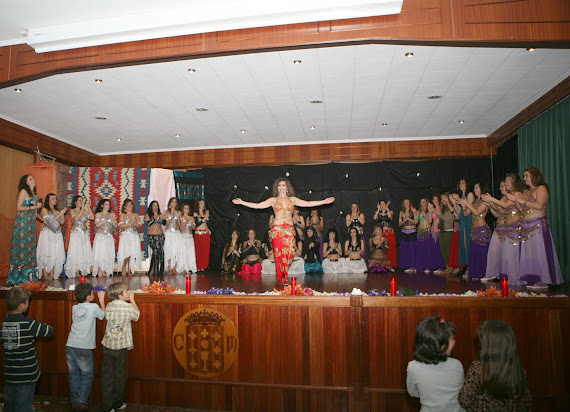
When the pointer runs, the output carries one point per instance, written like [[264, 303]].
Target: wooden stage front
[[309, 353]]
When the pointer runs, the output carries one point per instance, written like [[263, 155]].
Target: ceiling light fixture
[[409, 54], [118, 139], [461, 121], [242, 130], [177, 135], [201, 109], [98, 81], [530, 49], [316, 101], [297, 62], [100, 118], [434, 97], [18, 90], [192, 70], [312, 127], [384, 124]]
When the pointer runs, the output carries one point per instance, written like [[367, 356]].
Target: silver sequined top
[[172, 223], [186, 230], [45, 227], [105, 228], [129, 229], [80, 225]]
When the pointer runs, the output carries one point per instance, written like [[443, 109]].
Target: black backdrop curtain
[[365, 183], [505, 161]]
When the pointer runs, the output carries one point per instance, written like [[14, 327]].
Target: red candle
[[82, 278], [188, 285], [504, 287], [294, 286], [393, 286]]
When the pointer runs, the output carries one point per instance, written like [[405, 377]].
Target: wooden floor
[[407, 283]]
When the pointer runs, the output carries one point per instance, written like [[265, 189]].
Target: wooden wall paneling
[[11, 169]]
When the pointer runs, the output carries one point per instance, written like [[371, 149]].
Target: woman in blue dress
[[23, 265], [465, 219]]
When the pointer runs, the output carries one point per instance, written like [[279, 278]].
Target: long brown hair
[[536, 177], [23, 185], [502, 373], [290, 190]]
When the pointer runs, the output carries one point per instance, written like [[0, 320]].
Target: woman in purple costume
[[407, 220], [539, 262], [424, 235], [504, 250], [480, 233], [435, 261]]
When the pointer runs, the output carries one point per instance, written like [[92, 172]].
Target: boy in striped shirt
[[19, 333]]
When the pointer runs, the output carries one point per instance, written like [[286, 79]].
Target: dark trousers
[[113, 378]]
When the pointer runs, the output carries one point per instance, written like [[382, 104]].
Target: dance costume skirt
[[103, 254], [421, 246], [378, 265], [464, 238], [23, 266], [268, 267], [283, 241], [434, 259], [202, 244], [129, 246], [172, 247], [480, 239], [503, 258], [539, 262], [313, 268], [187, 261], [79, 254], [408, 248], [334, 266], [445, 239], [453, 261], [156, 241], [297, 267], [51, 252], [392, 253], [250, 270], [355, 265]]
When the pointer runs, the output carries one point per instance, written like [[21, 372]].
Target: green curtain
[[544, 142]]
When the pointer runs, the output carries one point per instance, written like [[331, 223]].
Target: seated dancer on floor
[[268, 264], [311, 248], [355, 219], [332, 253], [202, 235], [316, 220], [378, 247], [187, 262], [104, 243], [51, 249], [407, 220], [297, 266], [231, 257], [250, 255], [155, 235], [384, 216], [480, 233], [172, 236], [435, 262], [129, 251], [504, 254], [298, 222], [354, 250], [282, 232], [539, 262], [79, 251]]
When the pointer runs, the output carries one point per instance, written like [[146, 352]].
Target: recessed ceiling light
[[409, 54], [461, 121], [18, 90], [192, 70], [201, 109], [530, 49], [177, 135], [316, 101], [242, 130], [100, 118], [434, 97], [118, 139], [98, 81], [384, 124], [297, 62], [313, 127]]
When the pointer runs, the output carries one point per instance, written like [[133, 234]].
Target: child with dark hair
[[80, 344], [19, 333], [497, 381], [434, 376]]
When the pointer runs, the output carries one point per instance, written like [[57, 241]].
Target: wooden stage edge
[[302, 353]]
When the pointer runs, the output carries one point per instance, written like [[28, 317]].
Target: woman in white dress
[[354, 250], [50, 253], [172, 236], [129, 252], [79, 252], [187, 262], [104, 243]]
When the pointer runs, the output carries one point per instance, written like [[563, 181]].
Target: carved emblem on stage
[[205, 342]]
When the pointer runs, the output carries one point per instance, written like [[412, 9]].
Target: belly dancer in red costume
[[282, 232]]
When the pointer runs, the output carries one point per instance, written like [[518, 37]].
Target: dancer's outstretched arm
[[262, 205], [312, 203]]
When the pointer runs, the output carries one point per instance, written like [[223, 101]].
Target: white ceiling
[[268, 96]]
